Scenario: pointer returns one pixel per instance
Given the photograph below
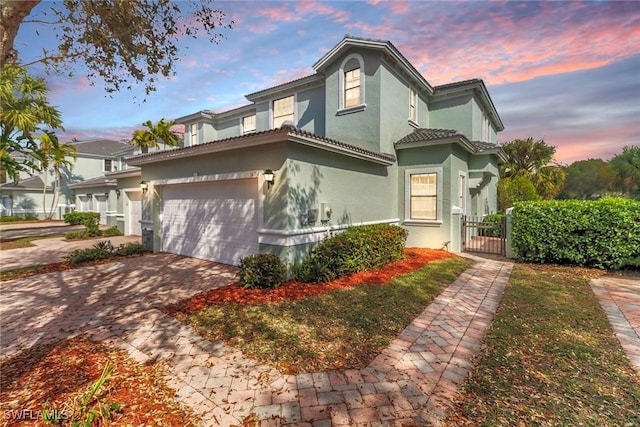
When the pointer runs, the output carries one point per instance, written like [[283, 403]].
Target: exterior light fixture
[[144, 185], [117, 193], [269, 177]]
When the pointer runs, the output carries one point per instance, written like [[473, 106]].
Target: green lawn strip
[[551, 358], [339, 330]]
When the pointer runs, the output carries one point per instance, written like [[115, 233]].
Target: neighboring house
[[77, 189], [366, 139]]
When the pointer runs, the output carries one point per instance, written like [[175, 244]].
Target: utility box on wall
[[325, 212]]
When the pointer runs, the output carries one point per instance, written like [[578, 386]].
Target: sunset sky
[[565, 72]]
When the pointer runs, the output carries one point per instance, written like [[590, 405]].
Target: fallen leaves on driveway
[[292, 290], [55, 377]]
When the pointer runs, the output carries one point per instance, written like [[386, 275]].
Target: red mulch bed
[[292, 290], [56, 376]]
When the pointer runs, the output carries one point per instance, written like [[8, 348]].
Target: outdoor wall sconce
[[144, 185], [117, 193], [269, 177]]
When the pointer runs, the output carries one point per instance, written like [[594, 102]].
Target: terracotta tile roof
[[423, 134], [34, 182], [289, 130], [100, 147]]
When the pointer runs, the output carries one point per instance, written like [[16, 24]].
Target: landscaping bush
[[494, 224], [262, 271], [73, 218], [604, 233], [356, 249], [111, 232], [90, 220], [102, 250], [77, 235], [18, 218]]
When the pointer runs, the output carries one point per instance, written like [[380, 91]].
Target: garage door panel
[[214, 220]]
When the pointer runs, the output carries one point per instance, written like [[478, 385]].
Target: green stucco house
[[365, 139]]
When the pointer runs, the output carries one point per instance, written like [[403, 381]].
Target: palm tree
[[25, 111], [56, 156], [153, 135]]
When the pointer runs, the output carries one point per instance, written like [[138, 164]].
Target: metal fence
[[481, 235]]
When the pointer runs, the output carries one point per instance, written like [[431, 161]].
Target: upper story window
[[413, 106], [283, 111], [352, 90], [194, 133], [423, 196], [107, 165], [486, 128], [249, 124]]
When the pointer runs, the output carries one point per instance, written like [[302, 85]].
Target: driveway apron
[[619, 297], [413, 380]]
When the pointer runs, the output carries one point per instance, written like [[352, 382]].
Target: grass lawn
[[340, 329], [551, 358]]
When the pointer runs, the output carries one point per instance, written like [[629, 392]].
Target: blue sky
[[566, 72]]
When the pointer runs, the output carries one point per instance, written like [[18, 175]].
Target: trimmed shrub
[[73, 218], [90, 220], [604, 233], [262, 271], [18, 218], [102, 250], [77, 235], [494, 225], [111, 232], [356, 249]]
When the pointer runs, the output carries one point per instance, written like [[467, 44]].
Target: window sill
[[422, 222], [414, 124], [349, 110]]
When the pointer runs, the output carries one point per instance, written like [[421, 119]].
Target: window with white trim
[[282, 111], [423, 195], [107, 165], [352, 79], [486, 128], [194, 134], [352, 88], [249, 124], [413, 105], [462, 193]]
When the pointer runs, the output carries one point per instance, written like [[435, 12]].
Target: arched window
[[352, 90]]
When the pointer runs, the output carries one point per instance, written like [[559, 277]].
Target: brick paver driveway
[[50, 307], [412, 382]]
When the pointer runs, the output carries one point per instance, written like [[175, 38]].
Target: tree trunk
[[12, 13]]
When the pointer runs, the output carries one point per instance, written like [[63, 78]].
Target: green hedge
[[90, 220], [262, 271], [356, 249], [603, 233]]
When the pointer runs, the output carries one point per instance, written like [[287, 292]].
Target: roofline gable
[[477, 86], [383, 46]]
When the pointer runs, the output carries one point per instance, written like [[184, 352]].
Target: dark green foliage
[[516, 189], [18, 218], [77, 235], [358, 248], [90, 220], [102, 250], [110, 232], [262, 271], [493, 225], [603, 233]]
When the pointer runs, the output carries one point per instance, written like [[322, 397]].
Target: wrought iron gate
[[481, 235]]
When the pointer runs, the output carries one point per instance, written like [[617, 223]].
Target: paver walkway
[[412, 381], [619, 297]]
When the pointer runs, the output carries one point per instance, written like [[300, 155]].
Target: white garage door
[[135, 213], [101, 203], [217, 221]]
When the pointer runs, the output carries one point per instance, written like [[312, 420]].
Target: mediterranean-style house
[[95, 157], [365, 139]]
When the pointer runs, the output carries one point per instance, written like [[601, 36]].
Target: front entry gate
[[484, 235]]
